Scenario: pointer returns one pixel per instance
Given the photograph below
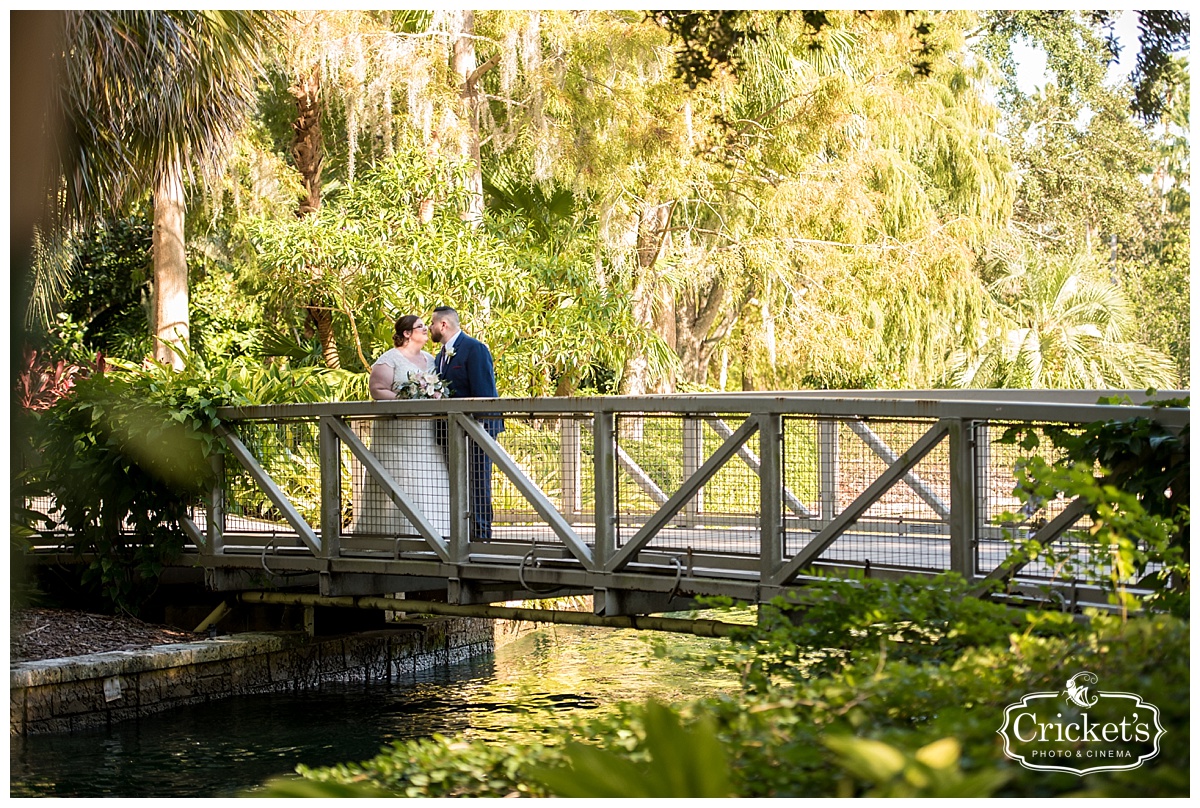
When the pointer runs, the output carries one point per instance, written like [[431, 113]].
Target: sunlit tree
[[152, 99]]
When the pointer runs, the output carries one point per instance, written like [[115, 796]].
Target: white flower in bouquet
[[422, 385]]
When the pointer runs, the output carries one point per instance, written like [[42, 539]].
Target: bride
[[405, 446]]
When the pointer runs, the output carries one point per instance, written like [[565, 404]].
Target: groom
[[465, 364]]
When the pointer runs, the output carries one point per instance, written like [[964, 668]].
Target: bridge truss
[[646, 503]]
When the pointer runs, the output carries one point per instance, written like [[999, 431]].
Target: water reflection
[[220, 748]]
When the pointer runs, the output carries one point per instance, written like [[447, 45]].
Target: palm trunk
[[323, 317], [307, 144], [169, 299]]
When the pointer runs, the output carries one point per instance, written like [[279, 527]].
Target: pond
[[222, 748]]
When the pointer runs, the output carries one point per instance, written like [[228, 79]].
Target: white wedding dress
[[408, 449]]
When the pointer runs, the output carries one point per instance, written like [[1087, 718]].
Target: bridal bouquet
[[422, 385]]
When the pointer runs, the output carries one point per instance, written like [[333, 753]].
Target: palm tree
[[1056, 325], [150, 100]]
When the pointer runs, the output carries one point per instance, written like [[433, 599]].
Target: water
[[222, 748]]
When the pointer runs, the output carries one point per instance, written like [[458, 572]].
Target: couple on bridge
[[414, 450]]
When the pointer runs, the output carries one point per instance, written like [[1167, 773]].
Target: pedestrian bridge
[[645, 503]]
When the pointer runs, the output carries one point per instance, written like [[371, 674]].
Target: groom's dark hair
[[447, 312]]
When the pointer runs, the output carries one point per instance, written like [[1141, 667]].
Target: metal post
[[770, 444], [827, 468], [605, 470], [216, 508], [963, 499], [330, 454], [981, 434], [570, 457], [693, 456], [460, 500]]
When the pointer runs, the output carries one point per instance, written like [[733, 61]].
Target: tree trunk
[[323, 317], [701, 323], [169, 299], [468, 73], [308, 153], [768, 318], [652, 235]]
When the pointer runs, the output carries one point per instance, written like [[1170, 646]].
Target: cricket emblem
[[1078, 693]]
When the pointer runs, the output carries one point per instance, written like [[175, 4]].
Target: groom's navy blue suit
[[471, 374]]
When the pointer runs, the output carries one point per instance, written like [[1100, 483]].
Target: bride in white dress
[[406, 447]]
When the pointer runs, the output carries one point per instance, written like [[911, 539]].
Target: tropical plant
[[151, 97], [681, 760], [1056, 324], [906, 710]]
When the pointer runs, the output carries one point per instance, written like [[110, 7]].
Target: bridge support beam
[[331, 488], [770, 443], [614, 602], [701, 628], [337, 584]]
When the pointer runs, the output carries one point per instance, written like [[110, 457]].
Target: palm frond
[[49, 278], [142, 91]]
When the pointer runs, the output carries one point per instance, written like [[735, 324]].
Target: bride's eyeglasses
[[420, 327]]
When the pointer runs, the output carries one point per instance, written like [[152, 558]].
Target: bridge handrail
[[836, 403]]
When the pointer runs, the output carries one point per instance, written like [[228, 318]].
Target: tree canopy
[[671, 199]]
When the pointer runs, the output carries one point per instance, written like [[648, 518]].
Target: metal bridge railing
[[737, 493]]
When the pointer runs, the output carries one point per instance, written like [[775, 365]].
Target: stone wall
[[62, 695]]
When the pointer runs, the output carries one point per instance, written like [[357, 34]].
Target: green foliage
[[910, 704], [444, 767], [931, 771], [121, 453], [680, 761], [109, 288], [839, 619], [127, 452], [1135, 476], [901, 712], [290, 788]]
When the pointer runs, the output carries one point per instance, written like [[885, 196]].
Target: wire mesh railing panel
[[288, 451], [802, 467], [649, 464], [907, 526], [555, 454], [735, 489], [1009, 516], [49, 530], [657, 454], [412, 451]]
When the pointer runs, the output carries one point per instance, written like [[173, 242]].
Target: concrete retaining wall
[[62, 695]]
